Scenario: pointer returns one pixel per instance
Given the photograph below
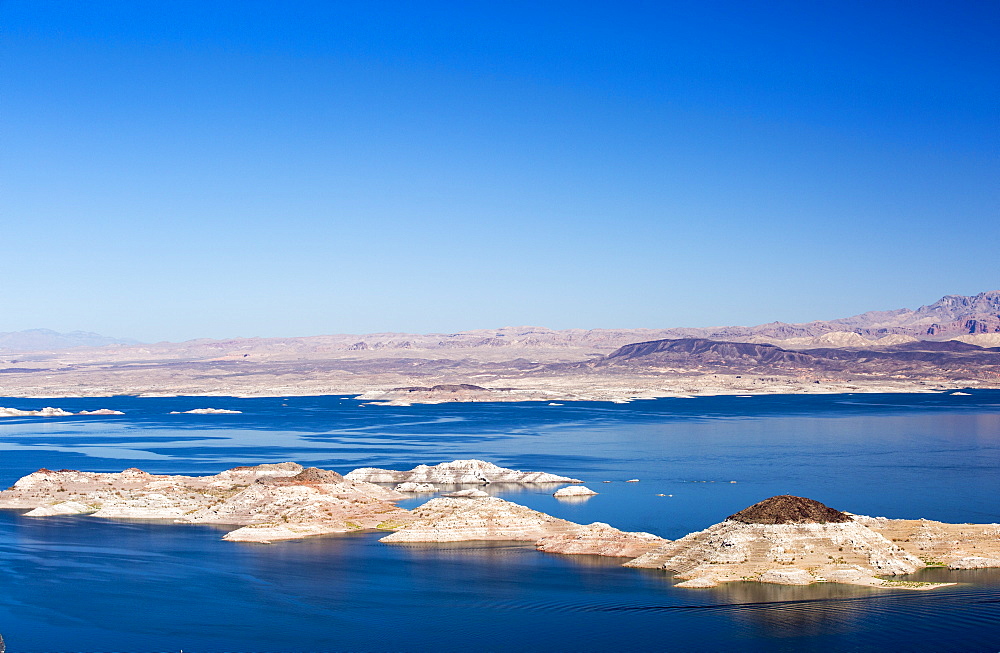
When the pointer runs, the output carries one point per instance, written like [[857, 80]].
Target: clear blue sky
[[173, 170]]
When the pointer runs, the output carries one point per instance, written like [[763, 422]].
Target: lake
[[80, 583]]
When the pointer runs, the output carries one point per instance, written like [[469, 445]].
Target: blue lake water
[[80, 583]]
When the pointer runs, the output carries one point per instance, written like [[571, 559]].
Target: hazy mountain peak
[[45, 339]]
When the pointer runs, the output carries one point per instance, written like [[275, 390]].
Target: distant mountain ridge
[[952, 316], [46, 339]]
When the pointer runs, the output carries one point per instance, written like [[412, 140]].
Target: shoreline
[[374, 398]]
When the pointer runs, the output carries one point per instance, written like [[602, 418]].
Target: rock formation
[[600, 539], [48, 411], [793, 540], [485, 518], [937, 544], [467, 494], [786, 540], [456, 472], [491, 518], [277, 501], [414, 487], [573, 491]]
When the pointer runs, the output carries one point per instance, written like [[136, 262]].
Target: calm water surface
[[79, 583]]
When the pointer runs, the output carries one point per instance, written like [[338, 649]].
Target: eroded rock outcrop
[[573, 492], [786, 540], [486, 518], [600, 539], [48, 411], [456, 472], [958, 546], [274, 501], [416, 488]]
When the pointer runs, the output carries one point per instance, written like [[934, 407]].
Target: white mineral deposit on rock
[[415, 487], [784, 540], [456, 472], [284, 497], [487, 518], [573, 491], [974, 562], [62, 508], [467, 494], [599, 539], [48, 411], [790, 576], [787, 540]]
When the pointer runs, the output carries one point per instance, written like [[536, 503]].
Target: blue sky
[[173, 170]]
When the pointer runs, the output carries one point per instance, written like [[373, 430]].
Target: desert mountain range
[[950, 317], [954, 342]]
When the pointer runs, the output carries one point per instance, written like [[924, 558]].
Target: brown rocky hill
[[789, 509], [916, 360]]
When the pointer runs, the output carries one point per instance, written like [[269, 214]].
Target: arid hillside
[[954, 342]]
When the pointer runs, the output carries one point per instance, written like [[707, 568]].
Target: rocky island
[[784, 540], [796, 541]]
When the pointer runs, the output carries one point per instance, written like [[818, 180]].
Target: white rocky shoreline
[[782, 540], [611, 395]]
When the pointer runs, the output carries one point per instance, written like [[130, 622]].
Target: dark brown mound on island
[[787, 509]]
